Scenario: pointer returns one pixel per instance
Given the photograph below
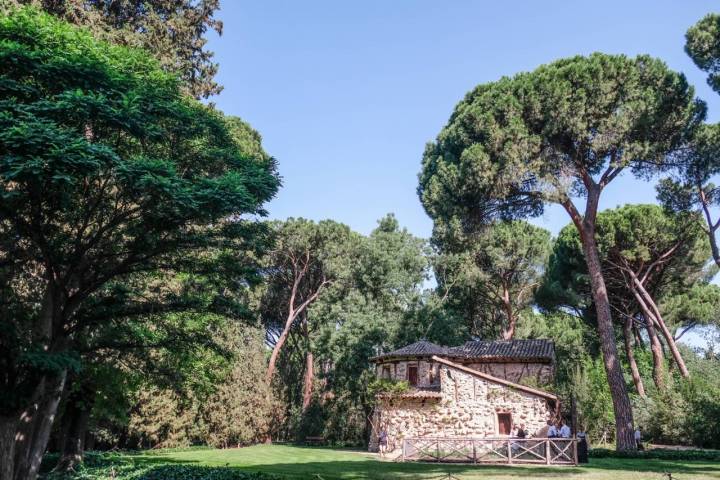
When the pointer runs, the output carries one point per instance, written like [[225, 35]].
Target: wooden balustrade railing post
[[474, 451], [509, 452], [575, 453], [404, 449], [547, 452]]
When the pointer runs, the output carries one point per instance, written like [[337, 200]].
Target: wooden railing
[[548, 451]]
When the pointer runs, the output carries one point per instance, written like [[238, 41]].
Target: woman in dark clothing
[[582, 448]]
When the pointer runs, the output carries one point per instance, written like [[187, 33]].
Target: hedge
[[658, 454]]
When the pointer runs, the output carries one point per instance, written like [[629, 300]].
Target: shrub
[[107, 466], [659, 454], [384, 385], [186, 472]]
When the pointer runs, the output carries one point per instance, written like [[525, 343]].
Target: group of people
[[554, 430]]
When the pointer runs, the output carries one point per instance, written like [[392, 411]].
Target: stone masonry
[[467, 405]]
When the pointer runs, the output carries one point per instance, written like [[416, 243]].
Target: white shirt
[[565, 431], [637, 435], [552, 431]]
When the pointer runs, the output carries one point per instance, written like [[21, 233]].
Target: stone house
[[479, 389]]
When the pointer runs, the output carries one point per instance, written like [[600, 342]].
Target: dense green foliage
[[113, 184], [236, 410], [173, 31], [488, 279], [362, 290]]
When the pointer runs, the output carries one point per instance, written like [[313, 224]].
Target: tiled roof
[[540, 349], [418, 349]]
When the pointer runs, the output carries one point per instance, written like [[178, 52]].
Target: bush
[[686, 411], [659, 454], [186, 472], [385, 385], [107, 466]]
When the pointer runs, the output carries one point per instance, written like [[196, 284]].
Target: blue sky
[[346, 94]]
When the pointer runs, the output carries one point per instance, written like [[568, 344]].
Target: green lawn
[[309, 462]]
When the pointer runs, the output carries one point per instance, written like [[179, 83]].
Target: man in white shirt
[[552, 431], [565, 430]]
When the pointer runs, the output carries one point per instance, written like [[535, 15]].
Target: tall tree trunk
[[655, 345], [714, 248], [628, 335], [29, 467], [27, 426], [293, 312], [711, 226], [276, 349], [509, 332], [8, 429], [669, 339], [74, 444], [624, 428], [308, 380], [75, 419], [657, 354]]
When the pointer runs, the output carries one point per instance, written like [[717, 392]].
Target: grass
[[294, 462]]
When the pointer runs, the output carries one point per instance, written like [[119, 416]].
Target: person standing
[[564, 430], [582, 447], [638, 438], [383, 441], [553, 431]]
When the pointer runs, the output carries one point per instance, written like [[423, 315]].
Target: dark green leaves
[[512, 145], [703, 46]]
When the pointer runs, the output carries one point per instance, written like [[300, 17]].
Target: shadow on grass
[[376, 470], [148, 465]]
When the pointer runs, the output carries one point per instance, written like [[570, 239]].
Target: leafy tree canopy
[[107, 171], [702, 44], [172, 30], [671, 248], [489, 278]]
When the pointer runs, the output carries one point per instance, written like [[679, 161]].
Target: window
[[412, 374], [504, 423], [386, 372]]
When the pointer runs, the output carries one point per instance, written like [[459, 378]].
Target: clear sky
[[347, 93]]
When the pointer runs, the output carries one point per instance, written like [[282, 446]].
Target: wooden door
[[504, 423], [412, 374]]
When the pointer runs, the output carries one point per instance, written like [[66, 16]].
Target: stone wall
[[427, 371], [468, 408], [525, 373]]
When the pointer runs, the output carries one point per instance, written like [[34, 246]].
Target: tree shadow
[[373, 470]]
